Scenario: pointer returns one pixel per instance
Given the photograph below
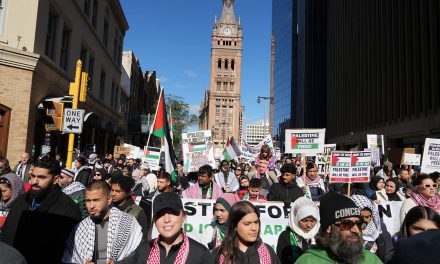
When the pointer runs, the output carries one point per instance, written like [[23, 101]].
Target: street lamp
[[265, 98]]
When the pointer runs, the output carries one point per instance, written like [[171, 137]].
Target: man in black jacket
[[41, 219], [286, 191]]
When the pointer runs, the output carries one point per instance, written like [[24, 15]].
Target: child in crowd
[[254, 189]]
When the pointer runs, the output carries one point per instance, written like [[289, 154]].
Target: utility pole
[[259, 101]]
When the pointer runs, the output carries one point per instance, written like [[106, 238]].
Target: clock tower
[[220, 111]]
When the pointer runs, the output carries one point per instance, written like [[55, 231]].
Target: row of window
[[224, 64], [225, 86], [227, 42]]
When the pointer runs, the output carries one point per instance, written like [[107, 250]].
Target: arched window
[[226, 64], [219, 64], [232, 64]]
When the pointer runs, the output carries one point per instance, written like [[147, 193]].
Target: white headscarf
[[302, 208]]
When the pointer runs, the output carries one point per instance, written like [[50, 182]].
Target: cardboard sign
[[323, 160], [431, 156], [119, 150], [396, 155], [411, 159], [350, 166], [305, 141], [198, 150]]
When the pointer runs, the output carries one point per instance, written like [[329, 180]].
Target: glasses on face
[[346, 225], [427, 186], [97, 174]]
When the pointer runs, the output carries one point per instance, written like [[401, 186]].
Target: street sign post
[[73, 120]]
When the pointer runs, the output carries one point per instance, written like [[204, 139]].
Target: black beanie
[[334, 207]]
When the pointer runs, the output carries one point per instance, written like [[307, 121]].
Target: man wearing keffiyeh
[[107, 235]]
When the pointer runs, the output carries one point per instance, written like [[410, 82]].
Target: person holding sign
[[314, 184], [173, 244], [425, 194], [214, 234], [340, 236], [304, 225], [287, 190], [205, 188], [242, 243]]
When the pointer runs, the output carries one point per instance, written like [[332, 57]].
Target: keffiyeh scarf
[[373, 229], [263, 253], [73, 188], [123, 237], [433, 203], [182, 254]]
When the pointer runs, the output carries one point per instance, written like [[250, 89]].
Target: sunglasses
[[98, 174], [346, 225], [427, 186]]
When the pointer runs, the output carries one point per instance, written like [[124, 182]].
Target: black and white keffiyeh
[[373, 229], [73, 188], [124, 236]]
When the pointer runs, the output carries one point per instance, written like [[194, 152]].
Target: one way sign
[[73, 120]]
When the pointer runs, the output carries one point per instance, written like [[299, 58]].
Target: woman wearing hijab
[[214, 234], [392, 190], [303, 226], [372, 234], [376, 184], [11, 186], [425, 194], [242, 243]]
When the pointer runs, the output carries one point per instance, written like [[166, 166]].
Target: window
[[120, 51], [115, 48], [117, 93], [65, 46], [218, 86], [219, 64], [102, 86], [83, 56], [225, 86], [51, 35], [112, 100], [91, 71], [232, 64], [226, 64], [87, 7], [105, 32], [2, 16], [231, 86], [95, 13]]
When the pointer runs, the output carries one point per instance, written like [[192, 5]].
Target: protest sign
[[390, 214], [250, 153], [120, 150], [198, 150], [350, 166], [305, 141], [323, 160], [151, 157], [375, 156], [431, 156], [274, 219], [376, 141], [411, 159]]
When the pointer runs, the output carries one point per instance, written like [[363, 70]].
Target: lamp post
[[259, 101], [223, 123]]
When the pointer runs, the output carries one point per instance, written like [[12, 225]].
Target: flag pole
[[155, 116]]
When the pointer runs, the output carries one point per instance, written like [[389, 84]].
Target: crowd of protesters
[[103, 210]]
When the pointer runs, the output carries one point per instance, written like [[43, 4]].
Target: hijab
[[302, 208], [17, 187], [394, 196], [374, 181]]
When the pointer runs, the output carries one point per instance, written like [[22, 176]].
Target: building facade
[[40, 43], [220, 111], [298, 75], [255, 133], [383, 72]]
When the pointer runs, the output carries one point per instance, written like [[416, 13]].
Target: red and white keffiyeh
[[182, 254], [263, 253]]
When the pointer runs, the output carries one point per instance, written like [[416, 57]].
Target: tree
[[180, 112]]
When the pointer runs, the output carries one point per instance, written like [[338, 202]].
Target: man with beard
[[107, 235], [340, 238], [226, 178], [286, 190], [74, 189], [205, 188], [41, 219]]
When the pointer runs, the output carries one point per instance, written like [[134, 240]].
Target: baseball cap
[[167, 200]]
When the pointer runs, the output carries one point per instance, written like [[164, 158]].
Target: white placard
[[431, 156], [305, 141], [411, 159], [198, 150]]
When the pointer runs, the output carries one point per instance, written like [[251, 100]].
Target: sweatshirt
[[316, 255]]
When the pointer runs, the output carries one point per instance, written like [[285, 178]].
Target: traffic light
[[83, 87], [55, 111]]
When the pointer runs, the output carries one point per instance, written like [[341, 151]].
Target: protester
[[106, 235], [278, 165], [141, 186], [287, 190], [173, 245], [149, 176], [4, 166], [75, 190], [23, 166], [340, 237], [225, 178], [314, 184], [419, 219], [435, 176], [299, 168], [244, 185], [253, 193], [391, 191], [214, 234], [421, 249], [205, 188], [121, 198], [42, 218], [100, 175], [387, 171], [59, 159], [83, 173], [403, 177], [107, 164], [242, 243], [424, 195], [239, 171], [303, 226], [375, 188], [374, 240], [268, 178], [266, 154], [11, 186], [127, 170]]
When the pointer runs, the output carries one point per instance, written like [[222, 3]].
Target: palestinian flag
[[161, 129], [171, 125], [231, 150]]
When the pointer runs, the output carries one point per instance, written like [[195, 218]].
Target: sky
[[173, 38]]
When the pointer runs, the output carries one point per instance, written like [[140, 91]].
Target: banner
[[250, 153], [152, 157], [390, 214], [305, 141], [411, 159], [323, 159], [274, 219], [431, 156], [350, 166], [198, 150], [376, 141], [375, 156]]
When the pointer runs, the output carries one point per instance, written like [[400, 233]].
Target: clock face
[[227, 31]]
